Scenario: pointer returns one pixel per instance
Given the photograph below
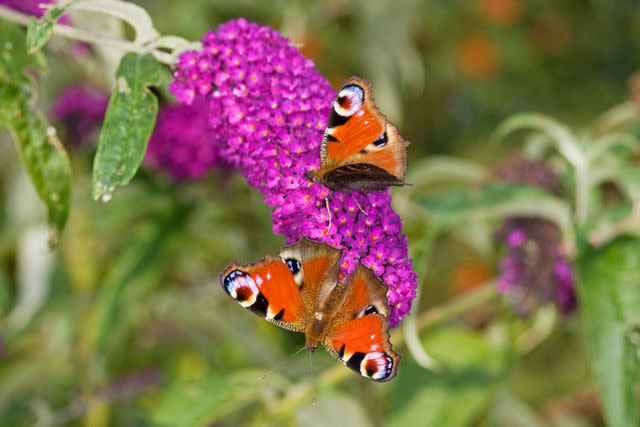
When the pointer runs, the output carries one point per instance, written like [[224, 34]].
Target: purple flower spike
[[268, 108], [534, 270], [81, 111], [31, 7], [181, 142]]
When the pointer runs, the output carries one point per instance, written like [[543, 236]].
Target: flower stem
[[78, 34]]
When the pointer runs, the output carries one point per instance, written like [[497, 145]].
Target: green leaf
[[39, 30], [333, 409], [138, 263], [609, 291], [564, 139], [203, 402], [40, 150], [132, 14], [470, 375], [495, 201], [435, 169], [127, 126], [14, 59]]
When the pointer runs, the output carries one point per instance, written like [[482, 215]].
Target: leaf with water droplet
[[127, 126]]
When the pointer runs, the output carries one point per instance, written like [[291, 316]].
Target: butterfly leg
[[326, 204], [360, 207]]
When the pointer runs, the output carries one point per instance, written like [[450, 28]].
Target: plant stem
[[582, 193], [78, 34], [302, 392]]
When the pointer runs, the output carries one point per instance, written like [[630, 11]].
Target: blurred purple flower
[[534, 270], [181, 142], [81, 111], [32, 7], [268, 107]]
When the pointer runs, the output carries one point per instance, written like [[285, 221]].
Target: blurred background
[[112, 327]]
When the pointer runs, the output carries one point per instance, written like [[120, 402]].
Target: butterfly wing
[[363, 177], [267, 288], [358, 133], [359, 336], [315, 268]]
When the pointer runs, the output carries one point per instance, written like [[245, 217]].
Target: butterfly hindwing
[[359, 336], [267, 288], [358, 133], [363, 345]]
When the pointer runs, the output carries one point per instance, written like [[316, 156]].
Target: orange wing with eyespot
[[267, 288], [358, 133], [359, 337]]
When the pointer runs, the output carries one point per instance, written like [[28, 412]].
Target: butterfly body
[[300, 291], [361, 150]]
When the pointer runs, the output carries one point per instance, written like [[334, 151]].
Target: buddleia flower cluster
[[267, 108], [534, 270]]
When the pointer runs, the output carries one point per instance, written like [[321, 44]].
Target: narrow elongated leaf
[[609, 291], [132, 267], [497, 200], [40, 150], [131, 13], [565, 141], [202, 403], [127, 126], [41, 153], [39, 30]]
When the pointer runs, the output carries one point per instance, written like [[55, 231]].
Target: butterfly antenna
[[313, 378], [294, 189], [282, 148], [279, 365]]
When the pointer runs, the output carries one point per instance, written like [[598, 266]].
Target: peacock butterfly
[[300, 290], [360, 149]]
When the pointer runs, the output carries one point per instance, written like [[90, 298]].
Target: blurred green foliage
[[124, 324]]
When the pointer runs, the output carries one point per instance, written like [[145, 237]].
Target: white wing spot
[[268, 276], [360, 113], [366, 122], [259, 280]]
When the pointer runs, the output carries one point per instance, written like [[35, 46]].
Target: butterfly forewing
[[358, 133], [268, 289]]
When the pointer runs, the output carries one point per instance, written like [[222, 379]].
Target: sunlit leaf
[[202, 403], [127, 126], [565, 141], [609, 297], [132, 14]]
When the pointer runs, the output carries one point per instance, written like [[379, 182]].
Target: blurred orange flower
[[501, 11], [470, 274], [478, 56]]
